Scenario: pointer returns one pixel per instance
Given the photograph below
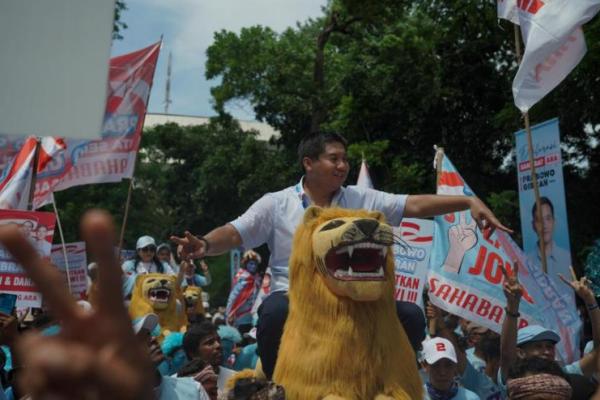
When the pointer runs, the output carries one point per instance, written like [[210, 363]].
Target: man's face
[[210, 350], [543, 349], [331, 168], [547, 225], [441, 374]]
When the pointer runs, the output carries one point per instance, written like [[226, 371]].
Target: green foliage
[[118, 25]]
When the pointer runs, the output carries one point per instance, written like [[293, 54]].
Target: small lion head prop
[[342, 336], [158, 294], [193, 299]]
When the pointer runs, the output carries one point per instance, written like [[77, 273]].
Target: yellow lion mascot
[[158, 294], [342, 338], [193, 300]]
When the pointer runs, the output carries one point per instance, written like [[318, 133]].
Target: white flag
[[364, 179], [507, 9], [554, 45]]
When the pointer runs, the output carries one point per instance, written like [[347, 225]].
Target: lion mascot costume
[[158, 294], [342, 338], [193, 300]]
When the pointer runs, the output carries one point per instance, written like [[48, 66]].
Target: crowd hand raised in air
[[96, 355]]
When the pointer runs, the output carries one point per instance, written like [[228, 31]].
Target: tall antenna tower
[[168, 100]]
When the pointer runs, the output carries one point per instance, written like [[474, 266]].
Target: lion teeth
[[383, 251], [350, 251], [350, 271], [380, 271]]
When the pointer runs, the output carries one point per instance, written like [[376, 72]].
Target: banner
[[507, 9], [77, 260], [465, 276], [554, 45], [555, 228], [411, 258], [39, 227], [111, 158]]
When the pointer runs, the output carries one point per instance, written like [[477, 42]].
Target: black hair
[[313, 145], [535, 366], [194, 335], [489, 344], [192, 367], [543, 200], [159, 266]]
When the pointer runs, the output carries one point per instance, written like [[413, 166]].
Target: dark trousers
[[274, 310]]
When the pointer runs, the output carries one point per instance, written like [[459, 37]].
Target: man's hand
[[96, 355], [512, 288], [485, 218], [581, 287], [208, 379], [189, 246], [462, 237]]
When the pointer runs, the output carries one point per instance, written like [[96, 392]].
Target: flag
[[15, 182], [465, 274], [554, 45], [364, 179], [507, 9]]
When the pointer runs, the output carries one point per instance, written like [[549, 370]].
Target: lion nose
[[164, 281], [367, 226]]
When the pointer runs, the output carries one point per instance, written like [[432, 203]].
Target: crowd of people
[[95, 350]]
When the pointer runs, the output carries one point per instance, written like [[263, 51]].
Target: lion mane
[[158, 294], [342, 338]]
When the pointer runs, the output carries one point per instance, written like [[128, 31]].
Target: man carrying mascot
[[273, 219]]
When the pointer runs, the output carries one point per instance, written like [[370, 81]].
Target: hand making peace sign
[[96, 355]]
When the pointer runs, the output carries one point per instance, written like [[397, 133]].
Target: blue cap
[[536, 333]]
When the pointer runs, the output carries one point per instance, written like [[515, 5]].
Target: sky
[[187, 27]]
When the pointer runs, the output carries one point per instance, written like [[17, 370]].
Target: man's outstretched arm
[[429, 205], [217, 241]]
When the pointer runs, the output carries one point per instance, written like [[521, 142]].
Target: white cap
[[145, 241], [148, 321], [437, 348]]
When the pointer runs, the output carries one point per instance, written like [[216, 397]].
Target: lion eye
[[151, 280], [332, 225]]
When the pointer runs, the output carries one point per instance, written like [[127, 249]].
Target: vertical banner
[[77, 260], [235, 261], [39, 228], [411, 258], [555, 228], [465, 275]]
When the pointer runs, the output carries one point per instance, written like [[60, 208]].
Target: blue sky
[[187, 27]]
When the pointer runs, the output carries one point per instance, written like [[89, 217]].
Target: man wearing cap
[[440, 364]]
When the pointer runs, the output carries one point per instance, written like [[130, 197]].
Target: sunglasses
[[148, 248]]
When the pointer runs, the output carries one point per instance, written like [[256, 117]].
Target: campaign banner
[[465, 275], [549, 172], [411, 258], [39, 228], [77, 261], [111, 158]]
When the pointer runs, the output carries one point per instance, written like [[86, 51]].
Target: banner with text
[[111, 158], [39, 228], [555, 228], [411, 258], [77, 260], [465, 276]]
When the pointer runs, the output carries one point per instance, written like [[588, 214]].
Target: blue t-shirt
[[481, 384]]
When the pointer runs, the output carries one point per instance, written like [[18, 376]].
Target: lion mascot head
[[158, 294], [342, 337], [193, 300]]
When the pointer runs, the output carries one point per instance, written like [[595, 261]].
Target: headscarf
[[540, 385]]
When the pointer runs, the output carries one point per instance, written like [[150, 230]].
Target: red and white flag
[[15, 182], [364, 179], [554, 45], [507, 9]]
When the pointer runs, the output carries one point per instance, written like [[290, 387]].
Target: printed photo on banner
[[554, 225], [39, 228], [465, 274], [77, 262], [411, 258]]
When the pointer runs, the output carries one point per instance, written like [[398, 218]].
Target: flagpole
[[536, 190], [126, 214], [33, 174], [62, 240]]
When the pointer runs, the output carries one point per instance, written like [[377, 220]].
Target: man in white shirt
[[273, 220]]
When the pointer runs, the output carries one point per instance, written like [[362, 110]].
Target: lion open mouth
[[159, 295], [363, 261]]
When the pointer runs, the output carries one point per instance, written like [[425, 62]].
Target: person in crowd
[[230, 339], [164, 254], [203, 373], [190, 275], [538, 341], [440, 364], [145, 262], [274, 217], [248, 358], [202, 341], [537, 378], [246, 285]]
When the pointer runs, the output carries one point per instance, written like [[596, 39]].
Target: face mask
[[251, 266]]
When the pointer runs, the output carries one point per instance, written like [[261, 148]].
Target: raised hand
[[189, 246], [462, 237], [512, 288], [581, 287], [96, 355]]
